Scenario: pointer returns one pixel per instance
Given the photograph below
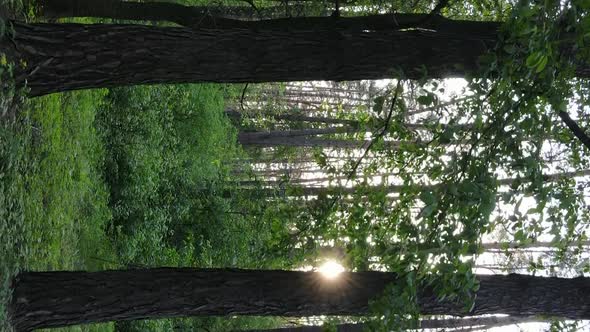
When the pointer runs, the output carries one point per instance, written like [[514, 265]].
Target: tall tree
[[61, 57], [52, 299], [161, 11]]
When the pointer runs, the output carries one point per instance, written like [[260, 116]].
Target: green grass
[[53, 202], [104, 179]]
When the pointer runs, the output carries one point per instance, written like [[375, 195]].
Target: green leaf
[[542, 63], [533, 59]]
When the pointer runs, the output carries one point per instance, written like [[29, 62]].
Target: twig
[[439, 6], [380, 134], [575, 129], [243, 96], [336, 12], [434, 12], [251, 3]]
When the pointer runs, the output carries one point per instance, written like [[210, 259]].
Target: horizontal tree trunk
[[154, 11], [450, 323], [53, 299], [62, 57], [261, 137], [209, 17], [390, 189], [291, 116], [303, 141]]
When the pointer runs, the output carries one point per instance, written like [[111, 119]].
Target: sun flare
[[331, 269]]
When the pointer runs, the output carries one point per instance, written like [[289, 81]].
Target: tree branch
[[573, 126], [380, 134]]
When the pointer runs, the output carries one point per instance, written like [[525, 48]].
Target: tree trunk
[[154, 11], [199, 16], [53, 299], [291, 116], [261, 137], [62, 57], [445, 324], [396, 188]]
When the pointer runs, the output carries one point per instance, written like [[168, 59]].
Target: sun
[[331, 269]]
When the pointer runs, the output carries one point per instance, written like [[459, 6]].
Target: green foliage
[[165, 145], [148, 186], [83, 193], [53, 203]]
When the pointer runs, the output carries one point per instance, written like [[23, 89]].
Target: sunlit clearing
[[331, 269]]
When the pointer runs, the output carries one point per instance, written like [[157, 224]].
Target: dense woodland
[[194, 165]]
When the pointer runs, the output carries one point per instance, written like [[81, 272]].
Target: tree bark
[[190, 16], [209, 17], [62, 57], [53, 299]]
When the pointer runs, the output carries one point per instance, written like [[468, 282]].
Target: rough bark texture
[[152, 11], [62, 57], [52, 299], [210, 17]]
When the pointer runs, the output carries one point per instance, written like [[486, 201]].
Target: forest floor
[[87, 182], [53, 203], [57, 183]]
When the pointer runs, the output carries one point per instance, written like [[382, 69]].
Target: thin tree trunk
[[450, 323], [303, 141], [62, 57], [316, 119], [291, 116], [395, 188], [511, 246], [262, 135], [53, 299]]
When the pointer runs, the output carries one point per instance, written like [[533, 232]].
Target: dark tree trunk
[[62, 57], [52, 299], [193, 16], [210, 17], [161, 11]]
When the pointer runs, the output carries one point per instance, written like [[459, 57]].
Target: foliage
[[152, 181], [54, 203]]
